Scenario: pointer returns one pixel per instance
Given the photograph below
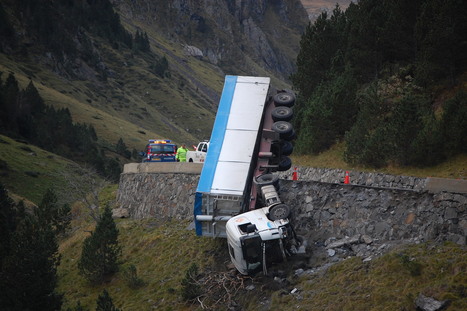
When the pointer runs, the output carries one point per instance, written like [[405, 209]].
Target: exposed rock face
[[231, 34], [315, 8], [193, 51], [429, 304]]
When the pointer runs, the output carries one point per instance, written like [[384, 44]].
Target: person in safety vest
[[181, 153]]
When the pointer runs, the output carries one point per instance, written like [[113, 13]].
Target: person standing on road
[[181, 153]]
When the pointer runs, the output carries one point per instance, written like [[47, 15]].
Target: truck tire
[[283, 128], [285, 164], [290, 137], [282, 113], [279, 211], [287, 147], [284, 99]]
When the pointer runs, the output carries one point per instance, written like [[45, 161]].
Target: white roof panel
[[234, 135], [240, 136], [238, 146], [231, 179], [247, 106]]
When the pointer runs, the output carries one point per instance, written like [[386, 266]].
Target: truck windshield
[[252, 249]]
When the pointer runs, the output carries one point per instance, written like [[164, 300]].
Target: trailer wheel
[[283, 128], [266, 180], [282, 113], [279, 211], [287, 147], [284, 99], [285, 164], [290, 137]]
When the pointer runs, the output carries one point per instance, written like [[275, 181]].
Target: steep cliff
[[241, 37]]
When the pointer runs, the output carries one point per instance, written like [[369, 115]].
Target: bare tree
[[84, 185]]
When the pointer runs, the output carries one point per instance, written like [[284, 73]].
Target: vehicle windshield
[[162, 149], [252, 249]]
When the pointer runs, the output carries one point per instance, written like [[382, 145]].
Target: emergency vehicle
[[238, 195], [199, 154], [160, 150]]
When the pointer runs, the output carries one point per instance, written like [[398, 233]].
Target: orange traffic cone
[[295, 174], [347, 178]]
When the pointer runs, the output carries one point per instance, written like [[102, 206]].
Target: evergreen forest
[[386, 78], [24, 116]]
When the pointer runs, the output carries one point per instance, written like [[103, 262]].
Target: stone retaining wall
[[325, 210], [165, 195], [356, 178], [321, 210]]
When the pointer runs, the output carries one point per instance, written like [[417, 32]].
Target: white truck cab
[[199, 154], [254, 239]]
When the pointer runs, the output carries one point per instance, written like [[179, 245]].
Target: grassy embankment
[[162, 252], [391, 282], [455, 167]]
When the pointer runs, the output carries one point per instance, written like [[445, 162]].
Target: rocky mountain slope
[[315, 7], [76, 60], [241, 37]]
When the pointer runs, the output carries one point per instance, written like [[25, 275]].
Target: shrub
[[190, 287], [131, 277], [414, 267], [105, 303]]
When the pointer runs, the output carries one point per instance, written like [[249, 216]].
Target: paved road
[[163, 167], [443, 184]]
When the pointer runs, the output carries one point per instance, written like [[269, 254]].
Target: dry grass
[[455, 167], [387, 283]]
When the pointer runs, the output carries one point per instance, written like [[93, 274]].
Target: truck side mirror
[[250, 228]]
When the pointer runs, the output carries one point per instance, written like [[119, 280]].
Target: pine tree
[[78, 307], [7, 224], [104, 302], [10, 92], [190, 288], [122, 149], [100, 253], [30, 96], [28, 271], [50, 213]]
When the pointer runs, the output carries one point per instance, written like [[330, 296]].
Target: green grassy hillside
[[29, 171], [143, 108], [162, 251]]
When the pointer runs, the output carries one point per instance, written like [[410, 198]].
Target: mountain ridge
[[104, 73]]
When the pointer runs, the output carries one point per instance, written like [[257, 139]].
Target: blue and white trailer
[[237, 195]]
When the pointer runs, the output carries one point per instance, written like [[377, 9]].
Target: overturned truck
[[238, 193]]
